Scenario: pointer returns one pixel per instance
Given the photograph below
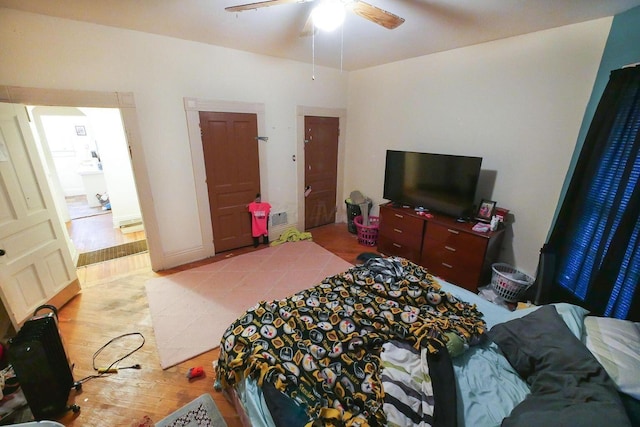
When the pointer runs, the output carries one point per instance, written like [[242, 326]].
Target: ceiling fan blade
[[250, 6], [377, 15]]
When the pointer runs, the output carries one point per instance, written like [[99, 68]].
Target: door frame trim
[[341, 114], [125, 102], [192, 107]]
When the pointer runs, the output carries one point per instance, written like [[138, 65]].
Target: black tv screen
[[440, 182]]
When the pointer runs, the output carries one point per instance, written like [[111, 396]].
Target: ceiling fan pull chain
[[313, 55], [341, 46]]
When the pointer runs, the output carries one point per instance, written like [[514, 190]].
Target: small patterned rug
[[113, 252], [201, 412]]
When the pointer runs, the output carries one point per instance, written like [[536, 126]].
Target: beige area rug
[[190, 310]]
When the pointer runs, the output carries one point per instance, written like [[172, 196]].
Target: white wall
[[39, 51], [517, 102], [56, 128], [106, 125]]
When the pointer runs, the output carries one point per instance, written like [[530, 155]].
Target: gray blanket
[[568, 385]]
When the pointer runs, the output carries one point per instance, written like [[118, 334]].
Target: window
[[596, 236]]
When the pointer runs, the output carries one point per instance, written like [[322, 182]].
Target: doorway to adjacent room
[[85, 153]]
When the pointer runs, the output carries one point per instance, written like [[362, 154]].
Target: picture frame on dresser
[[486, 209]]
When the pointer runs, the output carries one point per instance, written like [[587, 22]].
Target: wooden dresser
[[447, 248]]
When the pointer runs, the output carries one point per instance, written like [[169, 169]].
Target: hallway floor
[[96, 231], [79, 207]]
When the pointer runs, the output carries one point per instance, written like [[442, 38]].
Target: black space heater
[[41, 365]]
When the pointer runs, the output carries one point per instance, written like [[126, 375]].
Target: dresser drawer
[[459, 256], [388, 246], [403, 229], [463, 277], [457, 239], [453, 254]]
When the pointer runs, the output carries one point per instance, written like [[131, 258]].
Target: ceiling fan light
[[328, 15]]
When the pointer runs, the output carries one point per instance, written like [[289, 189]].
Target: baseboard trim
[[187, 256]]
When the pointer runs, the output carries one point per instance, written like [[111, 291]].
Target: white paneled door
[[35, 266]]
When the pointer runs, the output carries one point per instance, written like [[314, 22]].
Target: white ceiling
[[431, 25]]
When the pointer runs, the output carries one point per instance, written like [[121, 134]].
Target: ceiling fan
[[359, 7]]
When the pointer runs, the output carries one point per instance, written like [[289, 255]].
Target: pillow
[[568, 385], [616, 345], [540, 338], [572, 315]]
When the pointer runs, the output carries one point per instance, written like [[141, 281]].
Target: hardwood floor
[[113, 302], [97, 232]]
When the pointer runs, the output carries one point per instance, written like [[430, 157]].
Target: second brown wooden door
[[320, 170]]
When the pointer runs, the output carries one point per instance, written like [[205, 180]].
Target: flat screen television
[[440, 182]]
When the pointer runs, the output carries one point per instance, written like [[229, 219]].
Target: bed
[[386, 343]]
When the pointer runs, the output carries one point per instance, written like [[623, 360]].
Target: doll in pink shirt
[[259, 220]]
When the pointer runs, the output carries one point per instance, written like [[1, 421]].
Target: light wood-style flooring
[[113, 302], [97, 232]]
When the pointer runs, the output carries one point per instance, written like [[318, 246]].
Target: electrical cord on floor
[[113, 367]]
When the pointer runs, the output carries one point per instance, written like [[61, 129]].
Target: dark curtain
[[595, 239]]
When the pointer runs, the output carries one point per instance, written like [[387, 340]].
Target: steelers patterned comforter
[[321, 347]]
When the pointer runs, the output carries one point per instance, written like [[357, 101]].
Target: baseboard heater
[[131, 225], [41, 365]]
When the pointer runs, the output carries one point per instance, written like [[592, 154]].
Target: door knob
[[2, 252]]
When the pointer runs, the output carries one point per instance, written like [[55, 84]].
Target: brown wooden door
[[233, 174], [320, 169]]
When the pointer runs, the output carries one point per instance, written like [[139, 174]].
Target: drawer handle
[[399, 216], [397, 230], [397, 245], [449, 248], [453, 231], [447, 265]]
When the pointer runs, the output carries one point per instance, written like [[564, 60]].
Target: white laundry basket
[[508, 282]]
